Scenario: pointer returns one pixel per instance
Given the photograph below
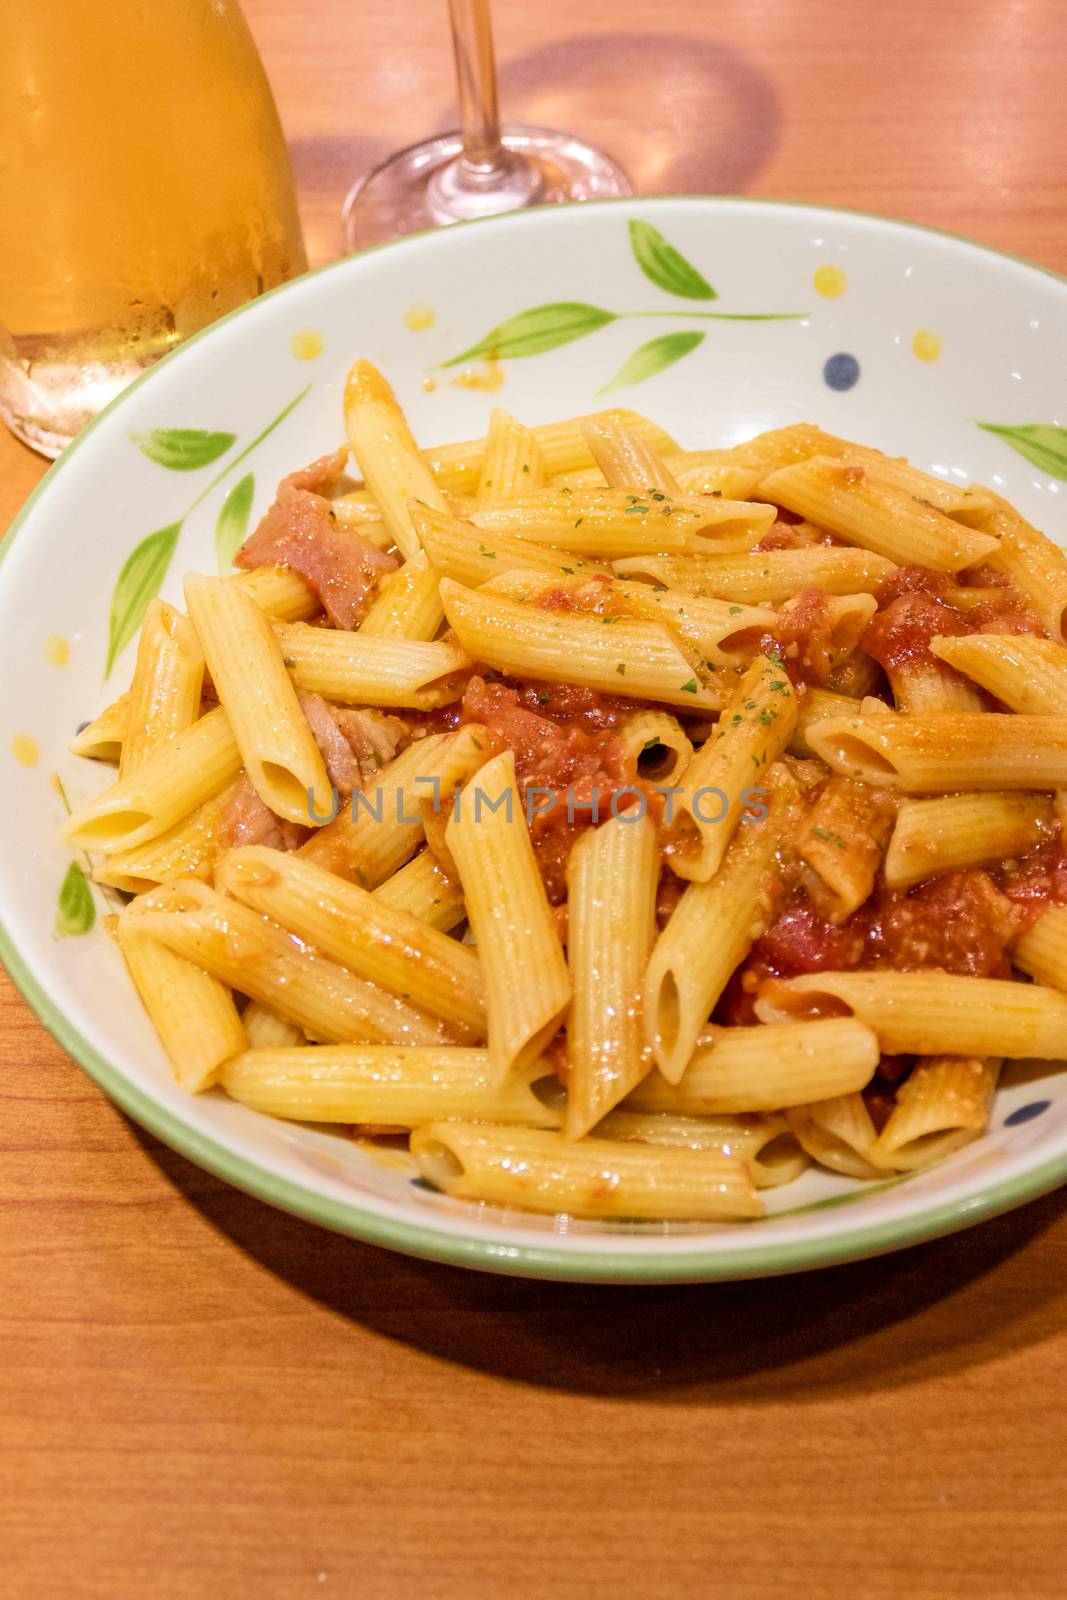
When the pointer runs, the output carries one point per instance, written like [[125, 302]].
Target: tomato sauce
[[568, 747], [1035, 880], [958, 922], [899, 634], [802, 638], [916, 603]]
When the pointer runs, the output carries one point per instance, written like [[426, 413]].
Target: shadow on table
[[920, 1313], [710, 127], [682, 115]]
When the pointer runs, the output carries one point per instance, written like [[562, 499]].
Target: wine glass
[[482, 169]]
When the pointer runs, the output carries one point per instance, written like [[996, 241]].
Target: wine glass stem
[[472, 41]]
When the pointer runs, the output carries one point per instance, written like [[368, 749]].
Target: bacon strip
[[299, 531], [249, 820], [355, 745]]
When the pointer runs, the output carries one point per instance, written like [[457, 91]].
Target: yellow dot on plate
[[926, 345], [306, 345], [830, 281], [419, 318], [56, 650], [429, 384], [25, 749]]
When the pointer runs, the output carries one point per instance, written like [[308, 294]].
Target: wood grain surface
[[201, 1398]]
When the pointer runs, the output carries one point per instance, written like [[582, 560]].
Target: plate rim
[[423, 1239]]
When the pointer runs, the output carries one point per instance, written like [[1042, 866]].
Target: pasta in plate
[[627, 827]]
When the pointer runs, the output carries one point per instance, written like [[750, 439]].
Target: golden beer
[[145, 190]]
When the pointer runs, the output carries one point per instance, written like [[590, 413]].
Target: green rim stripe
[[426, 1239]]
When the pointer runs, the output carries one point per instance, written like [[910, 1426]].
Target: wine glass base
[[431, 184]]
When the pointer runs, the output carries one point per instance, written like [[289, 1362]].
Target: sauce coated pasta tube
[[611, 879], [590, 1178], [385, 1086], [725, 774], [527, 986], [931, 1013], [277, 748], [766, 1069]]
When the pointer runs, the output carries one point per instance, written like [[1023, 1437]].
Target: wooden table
[[200, 1397]]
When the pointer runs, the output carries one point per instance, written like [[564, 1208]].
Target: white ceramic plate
[[906, 339]]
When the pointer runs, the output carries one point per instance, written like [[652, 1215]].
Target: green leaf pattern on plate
[[76, 913], [653, 357], [183, 449], [560, 322], [145, 569], [665, 266], [541, 328], [233, 521], [1043, 444], [137, 586]]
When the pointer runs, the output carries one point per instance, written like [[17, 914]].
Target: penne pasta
[[265, 1030], [1031, 562], [592, 1178], [388, 456], [962, 830], [386, 946], [724, 776], [250, 953], [837, 1133], [279, 592], [639, 659], [763, 577], [765, 1142], [277, 748], [612, 876], [945, 750], [164, 696], [943, 1105], [712, 632], [1041, 952], [919, 687], [352, 670], [931, 1013], [766, 1069], [656, 744], [828, 796], [101, 739], [193, 1014], [626, 458], [425, 890], [527, 987], [971, 506], [408, 606], [709, 932], [512, 466], [381, 829], [861, 507], [1026, 673], [842, 841], [461, 551], [390, 1087], [173, 782], [818, 705], [187, 850], [614, 522], [562, 445]]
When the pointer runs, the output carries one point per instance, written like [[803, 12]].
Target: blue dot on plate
[[1026, 1113], [841, 371]]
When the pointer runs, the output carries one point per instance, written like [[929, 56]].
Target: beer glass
[[145, 190]]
